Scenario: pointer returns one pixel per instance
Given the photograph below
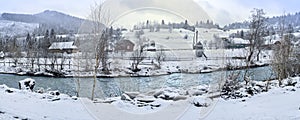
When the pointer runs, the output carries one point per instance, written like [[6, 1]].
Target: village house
[[124, 45], [61, 47]]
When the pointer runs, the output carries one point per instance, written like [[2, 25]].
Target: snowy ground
[[278, 103], [24, 104]]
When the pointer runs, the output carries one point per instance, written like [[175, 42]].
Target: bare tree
[[31, 46], [256, 40], [99, 17], [63, 58], [15, 50], [137, 57], [281, 59], [138, 54], [160, 56], [37, 50], [77, 68], [53, 61], [283, 55], [44, 44]]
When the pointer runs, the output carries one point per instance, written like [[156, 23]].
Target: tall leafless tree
[[281, 60], [160, 56], [138, 56], [31, 46], [281, 55], [257, 28], [100, 18], [286, 61], [15, 50]]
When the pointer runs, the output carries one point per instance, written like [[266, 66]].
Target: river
[[106, 87]]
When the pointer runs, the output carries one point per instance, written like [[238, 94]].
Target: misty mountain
[[60, 22], [289, 19]]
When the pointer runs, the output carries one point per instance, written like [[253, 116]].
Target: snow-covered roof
[[223, 35], [62, 45], [125, 41], [239, 41], [297, 34]]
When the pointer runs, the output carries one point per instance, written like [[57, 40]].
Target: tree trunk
[[250, 56], [95, 76], [78, 87], [257, 56], [94, 84], [32, 63]]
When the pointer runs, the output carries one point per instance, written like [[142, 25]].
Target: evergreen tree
[[46, 34], [163, 22], [290, 29], [52, 36], [242, 34], [207, 22], [46, 42]]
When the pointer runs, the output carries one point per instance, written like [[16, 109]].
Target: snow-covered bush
[[231, 87], [290, 82]]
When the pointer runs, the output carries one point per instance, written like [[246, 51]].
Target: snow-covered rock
[[55, 93], [26, 84], [132, 95], [179, 97], [200, 101], [125, 97]]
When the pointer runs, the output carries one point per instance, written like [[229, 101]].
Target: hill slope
[[60, 22]]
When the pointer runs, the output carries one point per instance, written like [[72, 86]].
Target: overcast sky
[[221, 11]]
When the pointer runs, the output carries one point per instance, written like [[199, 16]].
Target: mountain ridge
[[290, 19], [48, 19]]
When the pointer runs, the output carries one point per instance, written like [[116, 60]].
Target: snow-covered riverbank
[[194, 103], [188, 67]]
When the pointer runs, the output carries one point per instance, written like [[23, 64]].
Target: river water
[[106, 87]]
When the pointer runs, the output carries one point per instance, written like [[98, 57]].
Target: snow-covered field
[[279, 103]]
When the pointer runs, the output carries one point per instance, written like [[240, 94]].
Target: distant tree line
[[155, 26]]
